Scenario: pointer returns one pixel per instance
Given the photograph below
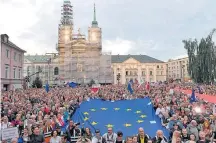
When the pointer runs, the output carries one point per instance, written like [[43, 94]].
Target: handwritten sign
[[9, 133]]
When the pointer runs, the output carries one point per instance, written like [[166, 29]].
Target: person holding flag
[[129, 87], [193, 97]]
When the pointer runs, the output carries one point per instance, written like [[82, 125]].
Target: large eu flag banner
[[125, 115]]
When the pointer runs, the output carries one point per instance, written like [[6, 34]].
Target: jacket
[[146, 138]]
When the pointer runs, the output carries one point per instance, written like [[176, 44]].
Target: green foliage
[[37, 83], [92, 82], [202, 59]]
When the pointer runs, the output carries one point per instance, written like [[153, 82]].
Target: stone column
[[139, 72], [147, 73], [155, 73], [123, 80]]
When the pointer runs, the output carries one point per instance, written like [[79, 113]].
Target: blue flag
[[193, 97], [47, 87], [72, 84], [130, 88], [200, 91], [120, 115]]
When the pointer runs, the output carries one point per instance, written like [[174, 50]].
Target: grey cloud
[[157, 27]]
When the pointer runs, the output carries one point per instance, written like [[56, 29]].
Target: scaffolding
[[87, 64], [80, 60]]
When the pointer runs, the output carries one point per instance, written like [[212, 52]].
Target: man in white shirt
[[159, 111], [110, 137]]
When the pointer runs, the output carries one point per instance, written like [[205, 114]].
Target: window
[[126, 73], [151, 73], [14, 72], [135, 73], [20, 58], [46, 74], [79, 68], [161, 72], [38, 68], [158, 66], [56, 71], [15, 56], [6, 71], [143, 73], [7, 53], [131, 73], [19, 74]]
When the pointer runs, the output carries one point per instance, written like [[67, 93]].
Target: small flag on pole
[[130, 88], [193, 97], [47, 87]]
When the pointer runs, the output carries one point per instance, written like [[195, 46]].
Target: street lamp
[[182, 75]]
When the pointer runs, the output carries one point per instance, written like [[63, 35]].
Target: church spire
[[94, 22], [94, 13]]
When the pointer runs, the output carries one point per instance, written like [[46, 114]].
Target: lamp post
[[48, 62]]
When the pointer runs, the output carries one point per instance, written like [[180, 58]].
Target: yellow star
[[138, 112], [143, 116], [94, 123], [103, 109], [93, 110], [85, 119], [86, 113], [109, 126], [116, 109], [127, 125], [139, 121], [128, 109]]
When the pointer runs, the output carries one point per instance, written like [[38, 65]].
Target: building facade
[[137, 67], [80, 58], [177, 69], [46, 67], [11, 64]]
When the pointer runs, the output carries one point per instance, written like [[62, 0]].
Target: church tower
[[65, 28], [94, 32]]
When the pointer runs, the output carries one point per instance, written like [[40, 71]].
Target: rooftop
[[114, 58], [9, 43], [140, 58], [38, 58]]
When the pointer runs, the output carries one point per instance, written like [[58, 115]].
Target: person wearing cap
[[119, 138], [98, 138]]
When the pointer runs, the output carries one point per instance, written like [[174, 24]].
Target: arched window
[[56, 71]]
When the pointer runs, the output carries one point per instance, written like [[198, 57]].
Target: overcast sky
[[152, 27]]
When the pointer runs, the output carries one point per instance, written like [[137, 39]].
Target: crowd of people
[[40, 116]]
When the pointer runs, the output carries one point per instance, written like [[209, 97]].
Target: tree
[[92, 82], [202, 59], [37, 83]]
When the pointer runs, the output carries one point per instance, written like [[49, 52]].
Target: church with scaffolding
[[80, 58]]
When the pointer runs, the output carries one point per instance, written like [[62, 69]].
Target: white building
[[137, 67], [47, 64], [177, 69]]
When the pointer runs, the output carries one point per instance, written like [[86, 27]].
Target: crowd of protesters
[[40, 116]]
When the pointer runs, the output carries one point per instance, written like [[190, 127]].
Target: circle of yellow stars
[[142, 116]]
